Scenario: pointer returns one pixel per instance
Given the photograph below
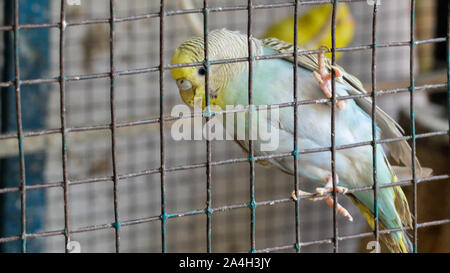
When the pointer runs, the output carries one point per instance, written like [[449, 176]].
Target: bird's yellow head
[[222, 45], [190, 80]]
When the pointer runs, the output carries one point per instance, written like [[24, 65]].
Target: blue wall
[[34, 63]]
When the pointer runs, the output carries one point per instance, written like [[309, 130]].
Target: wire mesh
[[107, 134]]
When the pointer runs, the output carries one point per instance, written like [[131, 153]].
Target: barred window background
[[90, 204]]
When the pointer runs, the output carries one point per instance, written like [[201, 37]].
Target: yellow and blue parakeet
[[273, 84]]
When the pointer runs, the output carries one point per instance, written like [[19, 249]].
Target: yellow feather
[[401, 205], [184, 72], [314, 28], [389, 240]]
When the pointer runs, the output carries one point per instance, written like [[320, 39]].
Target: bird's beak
[[199, 102], [195, 97]]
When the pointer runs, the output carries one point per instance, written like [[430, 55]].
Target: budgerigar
[[314, 28], [273, 84]]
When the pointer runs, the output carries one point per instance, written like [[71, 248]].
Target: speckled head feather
[[222, 44]]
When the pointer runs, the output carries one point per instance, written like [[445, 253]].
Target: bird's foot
[[323, 190], [328, 199], [300, 193], [340, 209], [323, 77]]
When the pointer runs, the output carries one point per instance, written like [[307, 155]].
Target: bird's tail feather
[[401, 241], [397, 242]]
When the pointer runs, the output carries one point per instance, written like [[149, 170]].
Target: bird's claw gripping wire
[[321, 191], [320, 195], [323, 77]]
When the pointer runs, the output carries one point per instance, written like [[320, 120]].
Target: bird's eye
[[201, 71], [184, 84]]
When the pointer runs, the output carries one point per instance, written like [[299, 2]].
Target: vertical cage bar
[[20, 137], [413, 123], [374, 125], [252, 204], [161, 125], [295, 153], [112, 102], [208, 142], [333, 127], [62, 97], [448, 77]]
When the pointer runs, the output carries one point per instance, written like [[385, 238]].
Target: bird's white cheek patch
[[184, 85]]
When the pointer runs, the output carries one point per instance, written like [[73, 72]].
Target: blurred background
[[86, 52]]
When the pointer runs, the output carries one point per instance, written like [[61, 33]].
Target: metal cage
[[86, 155]]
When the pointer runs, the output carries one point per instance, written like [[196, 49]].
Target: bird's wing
[[400, 151], [265, 162]]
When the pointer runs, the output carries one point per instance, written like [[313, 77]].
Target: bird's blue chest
[[269, 82]]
